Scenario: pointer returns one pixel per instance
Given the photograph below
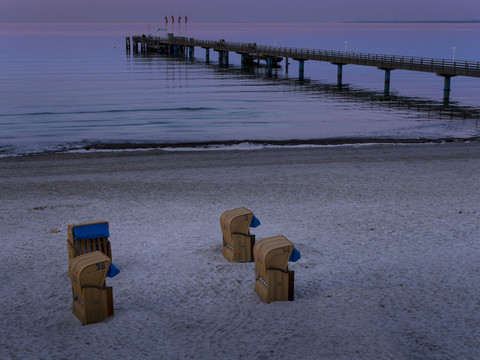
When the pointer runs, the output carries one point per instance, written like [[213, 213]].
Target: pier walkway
[[175, 45]]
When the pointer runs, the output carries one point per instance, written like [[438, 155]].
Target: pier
[[273, 55]]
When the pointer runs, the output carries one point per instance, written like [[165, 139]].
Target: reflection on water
[[346, 92]]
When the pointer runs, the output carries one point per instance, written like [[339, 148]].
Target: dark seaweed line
[[225, 145]]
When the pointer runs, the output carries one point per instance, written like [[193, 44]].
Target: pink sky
[[245, 10]]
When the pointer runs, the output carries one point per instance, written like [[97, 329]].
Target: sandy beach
[[389, 238]]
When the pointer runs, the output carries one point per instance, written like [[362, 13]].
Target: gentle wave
[[108, 111]]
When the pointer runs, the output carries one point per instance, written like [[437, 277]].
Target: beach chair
[[88, 237], [92, 300], [273, 280], [85, 239], [237, 241]]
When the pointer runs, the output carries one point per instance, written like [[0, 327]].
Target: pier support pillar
[[225, 58], [220, 57], [243, 62], [190, 52], [446, 89], [286, 65], [127, 44], [207, 55], [269, 65], [387, 82], [339, 74], [301, 69]]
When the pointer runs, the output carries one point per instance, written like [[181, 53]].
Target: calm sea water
[[71, 86]]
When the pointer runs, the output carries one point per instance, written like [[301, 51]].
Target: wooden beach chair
[[88, 237], [273, 280], [92, 300], [237, 241], [88, 247]]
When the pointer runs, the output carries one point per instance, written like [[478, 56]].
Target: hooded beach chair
[[273, 280], [92, 300], [237, 241], [86, 242]]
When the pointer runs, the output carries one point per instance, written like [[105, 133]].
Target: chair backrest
[[88, 270], [272, 253], [88, 237]]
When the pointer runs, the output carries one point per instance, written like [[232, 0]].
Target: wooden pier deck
[[274, 54]]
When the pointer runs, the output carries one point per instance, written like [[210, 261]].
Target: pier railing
[[442, 67]]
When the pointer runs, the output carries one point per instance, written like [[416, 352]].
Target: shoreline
[[229, 145], [209, 151]]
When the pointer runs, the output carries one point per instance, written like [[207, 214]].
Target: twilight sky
[[242, 10]]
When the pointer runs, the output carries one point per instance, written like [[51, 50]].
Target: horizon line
[[471, 21]]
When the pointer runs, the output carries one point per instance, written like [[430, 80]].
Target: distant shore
[[414, 22]]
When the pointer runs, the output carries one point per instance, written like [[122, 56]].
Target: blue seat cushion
[[91, 231]]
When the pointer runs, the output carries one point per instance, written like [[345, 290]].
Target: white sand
[[389, 237]]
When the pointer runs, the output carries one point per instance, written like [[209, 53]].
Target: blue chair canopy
[[112, 270], [295, 256], [255, 222]]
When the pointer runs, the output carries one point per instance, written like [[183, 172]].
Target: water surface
[[68, 86]]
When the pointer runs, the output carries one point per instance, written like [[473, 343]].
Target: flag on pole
[[173, 20], [166, 20], [179, 19], [186, 19]]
